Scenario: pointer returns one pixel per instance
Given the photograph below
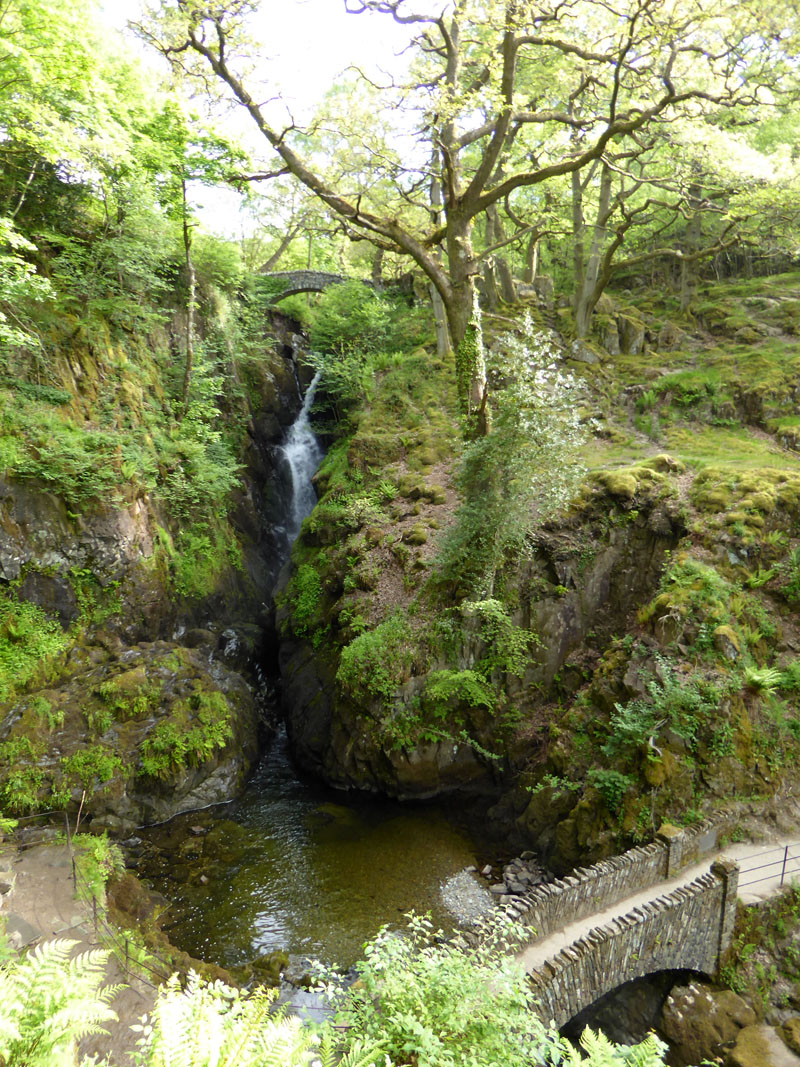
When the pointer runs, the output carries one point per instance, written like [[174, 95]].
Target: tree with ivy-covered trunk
[[514, 93]]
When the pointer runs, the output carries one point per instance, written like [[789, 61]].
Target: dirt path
[[747, 855], [40, 906]]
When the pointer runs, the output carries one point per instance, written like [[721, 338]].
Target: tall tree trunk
[[285, 241], [591, 289], [694, 236], [531, 259], [25, 188], [191, 277], [443, 344], [578, 232], [464, 329], [377, 270]]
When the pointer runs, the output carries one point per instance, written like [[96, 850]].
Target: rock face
[[144, 731], [329, 740], [700, 1023], [599, 576], [149, 708], [761, 1046]]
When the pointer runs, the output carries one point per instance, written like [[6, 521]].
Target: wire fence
[[137, 961], [782, 862]]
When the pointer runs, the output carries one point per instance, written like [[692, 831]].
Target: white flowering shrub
[[526, 469]]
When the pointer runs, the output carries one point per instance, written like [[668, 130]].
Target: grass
[[734, 448]]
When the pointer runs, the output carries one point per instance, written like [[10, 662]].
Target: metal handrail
[[784, 860]]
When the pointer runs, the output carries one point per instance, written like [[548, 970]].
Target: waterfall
[[303, 455]]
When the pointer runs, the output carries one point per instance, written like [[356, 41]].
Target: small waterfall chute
[[303, 455]]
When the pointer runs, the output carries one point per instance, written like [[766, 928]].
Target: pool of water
[[295, 866]]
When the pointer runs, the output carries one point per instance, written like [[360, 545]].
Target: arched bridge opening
[[628, 1013]]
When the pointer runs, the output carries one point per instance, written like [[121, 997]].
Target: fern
[[213, 1025], [49, 1001]]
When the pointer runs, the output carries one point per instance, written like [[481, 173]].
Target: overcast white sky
[[306, 44]]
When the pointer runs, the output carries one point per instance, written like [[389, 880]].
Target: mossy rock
[[657, 772], [747, 335], [426, 457], [621, 484], [417, 535], [435, 494], [664, 463], [373, 450], [727, 642], [411, 487], [763, 502]]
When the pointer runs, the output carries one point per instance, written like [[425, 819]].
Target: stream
[[292, 865], [296, 866]]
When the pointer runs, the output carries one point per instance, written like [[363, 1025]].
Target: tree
[[484, 84], [183, 151]]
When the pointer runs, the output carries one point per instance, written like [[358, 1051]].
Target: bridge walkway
[[749, 857]]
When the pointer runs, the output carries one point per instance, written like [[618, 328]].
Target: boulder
[[700, 1023], [761, 1046]]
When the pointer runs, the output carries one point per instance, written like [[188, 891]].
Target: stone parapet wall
[[588, 890], [684, 930]]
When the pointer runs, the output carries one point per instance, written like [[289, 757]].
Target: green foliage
[[354, 333], [790, 576], [353, 317], [556, 783], [521, 473], [28, 638], [98, 860], [127, 700], [91, 768], [305, 593], [21, 778], [684, 704], [764, 679], [375, 663], [440, 1003], [21, 290], [462, 687], [206, 1025], [611, 785], [791, 676], [97, 603], [196, 729], [46, 714], [508, 646], [213, 1025], [200, 557], [49, 1001], [764, 957]]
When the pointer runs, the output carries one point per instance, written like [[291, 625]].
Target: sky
[[305, 45]]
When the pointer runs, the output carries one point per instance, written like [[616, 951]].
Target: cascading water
[[303, 455], [292, 865]]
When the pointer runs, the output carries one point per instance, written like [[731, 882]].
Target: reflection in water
[[298, 867]]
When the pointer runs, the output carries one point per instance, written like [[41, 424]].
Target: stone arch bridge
[[290, 282], [666, 922]]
